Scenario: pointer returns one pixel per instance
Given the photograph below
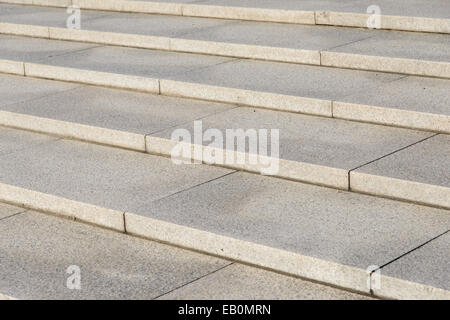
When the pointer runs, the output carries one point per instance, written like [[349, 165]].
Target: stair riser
[[425, 194], [310, 57], [346, 19], [257, 99]]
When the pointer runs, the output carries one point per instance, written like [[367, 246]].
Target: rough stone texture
[[36, 50], [7, 210], [427, 264], [433, 9], [426, 162], [317, 140], [102, 107], [30, 89], [99, 175], [409, 93], [130, 181], [240, 282], [12, 141], [37, 250]]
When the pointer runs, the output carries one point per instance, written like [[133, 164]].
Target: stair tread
[[383, 152], [397, 44], [428, 264], [425, 162], [297, 80], [318, 140], [116, 266], [340, 229], [420, 8]]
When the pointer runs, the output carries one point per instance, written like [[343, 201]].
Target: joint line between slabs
[[414, 249], [192, 281], [197, 185], [393, 152], [13, 215]]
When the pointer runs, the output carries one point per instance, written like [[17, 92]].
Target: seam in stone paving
[[230, 60], [77, 86], [55, 139], [202, 29], [187, 122], [346, 44], [195, 280], [195, 186], [13, 215], [401, 256], [412, 250], [66, 53], [391, 153], [124, 223]]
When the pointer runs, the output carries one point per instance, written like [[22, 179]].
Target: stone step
[[421, 15], [415, 102], [41, 255], [387, 51], [302, 230], [384, 161]]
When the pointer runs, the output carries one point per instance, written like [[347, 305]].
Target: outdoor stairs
[[361, 200]]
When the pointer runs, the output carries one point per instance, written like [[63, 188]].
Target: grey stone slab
[[7, 210], [296, 80], [123, 60], [38, 249], [351, 40], [409, 45], [12, 141], [343, 227], [302, 80], [280, 35], [44, 16], [240, 282], [30, 88], [347, 228], [323, 141], [99, 175], [409, 93], [152, 24], [34, 49], [419, 8], [427, 265], [255, 33], [426, 162], [109, 108]]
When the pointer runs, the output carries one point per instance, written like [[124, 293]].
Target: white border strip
[[394, 117], [394, 288], [108, 218], [417, 192], [388, 22]]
